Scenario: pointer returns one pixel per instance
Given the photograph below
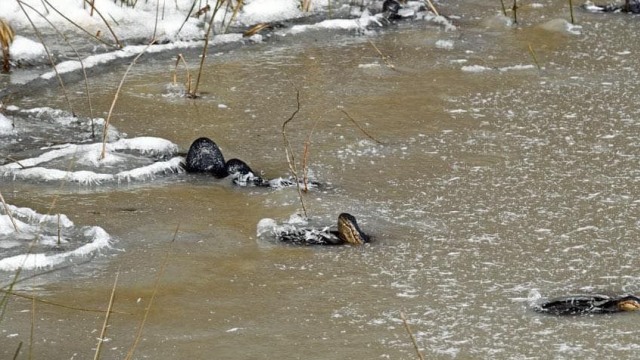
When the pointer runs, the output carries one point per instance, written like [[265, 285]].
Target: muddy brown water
[[488, 186]]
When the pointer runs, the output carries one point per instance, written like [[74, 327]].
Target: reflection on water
[[488, 186]]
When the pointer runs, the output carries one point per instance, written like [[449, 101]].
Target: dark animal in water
[[390, 9], [205, 156], [629, 6], [589, 304], [348, 232]]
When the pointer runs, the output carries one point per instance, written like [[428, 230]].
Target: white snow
[[6, 126]]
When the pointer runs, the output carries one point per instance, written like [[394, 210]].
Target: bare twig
[[107, 24], [504, 8], [103, 332], [361, 129], [153, 295], [515, 11], [289, 152], [413, 339]]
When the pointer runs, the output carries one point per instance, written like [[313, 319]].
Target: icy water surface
[[494, 181]]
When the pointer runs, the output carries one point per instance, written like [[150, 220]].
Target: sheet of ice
[[88, 154], [6, 125], [40, 231]]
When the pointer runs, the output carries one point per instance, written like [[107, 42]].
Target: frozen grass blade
[[156, 286], [103, 332], [413, 339]]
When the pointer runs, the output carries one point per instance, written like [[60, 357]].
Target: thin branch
[[433, 8], [289, 152], [361, 129], [413, 339]]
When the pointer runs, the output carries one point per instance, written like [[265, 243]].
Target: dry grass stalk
[[6, 38], [385, 59], [156, 286], [573, 21], [49, 56], [361, 129], [207, 37], [305, 5], [433, 8], [515, 11], [533, 55], [8, 211], [81, 28], [106, 23], [289, 152], [33, 323], [103, 332], [504, 8], [180, 59], [15, 355], [51, 303], [305, 158], [105, 129], [413, 339], [84, 72]]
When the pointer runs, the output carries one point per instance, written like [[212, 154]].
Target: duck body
[[589, 304], [631, 7], [347, 232], [205, 156]]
